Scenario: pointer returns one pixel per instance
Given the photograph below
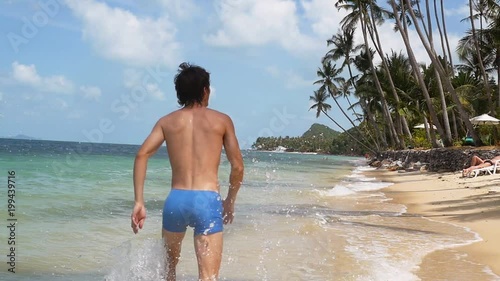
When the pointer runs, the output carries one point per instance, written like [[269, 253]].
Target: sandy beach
[[473, 203]]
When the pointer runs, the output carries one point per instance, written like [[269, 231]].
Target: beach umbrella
[[484, 119], [422, 126]]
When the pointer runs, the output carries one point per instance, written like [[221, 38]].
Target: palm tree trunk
[[378, 47], [416, 72], [449, 69], [436, 15], [406, 128], [445, 79], [362, 106], [479, 58], [446, 34], [444, 107], [385, 107], [446, 121], [351, 136], [373, 123], [343, 112], [498, 73], [455, 127]]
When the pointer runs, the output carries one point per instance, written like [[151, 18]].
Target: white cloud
[[120, 35], [258, 23], [91, 92], [154, 91], [290, 78], [392, 41], [27, 74], [324, 17], [133, 78], [460, 10], [181, 9]]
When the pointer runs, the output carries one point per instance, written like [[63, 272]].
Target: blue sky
[[102, 71]]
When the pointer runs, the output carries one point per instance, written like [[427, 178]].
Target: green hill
[[320, 130], [317, 139]]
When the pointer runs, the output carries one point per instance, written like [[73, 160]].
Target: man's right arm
[[233, 154]]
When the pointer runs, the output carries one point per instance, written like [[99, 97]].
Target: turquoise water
[[298, 217]]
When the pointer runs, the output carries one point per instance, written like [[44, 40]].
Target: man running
[[194, 136]]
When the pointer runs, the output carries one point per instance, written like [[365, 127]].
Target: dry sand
[[469, 202]]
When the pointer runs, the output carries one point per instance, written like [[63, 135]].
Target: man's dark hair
[[190, 82]]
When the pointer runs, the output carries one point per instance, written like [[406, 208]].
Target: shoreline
[[471, 203]]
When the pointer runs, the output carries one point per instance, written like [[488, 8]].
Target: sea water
[[298, 217]]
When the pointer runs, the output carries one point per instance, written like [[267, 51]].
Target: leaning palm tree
[[492, 15], [344, 47], [319, 103], [403, 28], [369, 98], [329, 76], [476, 42], [446, 80], [360, 14], [428, 27]]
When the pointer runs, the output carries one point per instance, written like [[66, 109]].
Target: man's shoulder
[[218, 113], [171, 114]]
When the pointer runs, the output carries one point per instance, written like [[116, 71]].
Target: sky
[[102, 70]]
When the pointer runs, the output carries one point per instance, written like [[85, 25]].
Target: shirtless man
[[478, 163], [194, 136]]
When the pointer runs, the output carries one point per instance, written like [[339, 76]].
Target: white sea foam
[[355, 183], [140, 261], [338, 190]]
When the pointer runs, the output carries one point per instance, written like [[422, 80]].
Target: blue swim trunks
[[200, 209]]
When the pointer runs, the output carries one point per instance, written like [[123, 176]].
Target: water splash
[[138, 261]]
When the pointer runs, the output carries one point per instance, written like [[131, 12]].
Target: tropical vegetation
[[318, 138], [389, 92]]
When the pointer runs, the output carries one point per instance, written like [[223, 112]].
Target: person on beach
[[194, 136], [478, 163]]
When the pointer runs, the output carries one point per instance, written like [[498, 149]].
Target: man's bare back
[[195, 136]]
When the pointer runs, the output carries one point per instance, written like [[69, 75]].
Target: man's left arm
[[148, 148]]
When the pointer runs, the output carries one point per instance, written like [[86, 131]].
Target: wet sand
[[473, 203]]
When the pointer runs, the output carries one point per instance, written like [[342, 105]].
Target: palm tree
[[344, 47], [475, 40], [369, 98], [320, 104], [359, 14], [445, 79], [429, 28], [418, 75], [329, 74], [488, 39], [450, 57], [319, 99]]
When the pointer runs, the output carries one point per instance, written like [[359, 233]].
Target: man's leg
[[209, 255], [173, 243]]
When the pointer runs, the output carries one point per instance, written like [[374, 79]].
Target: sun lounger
[[490, 169]]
